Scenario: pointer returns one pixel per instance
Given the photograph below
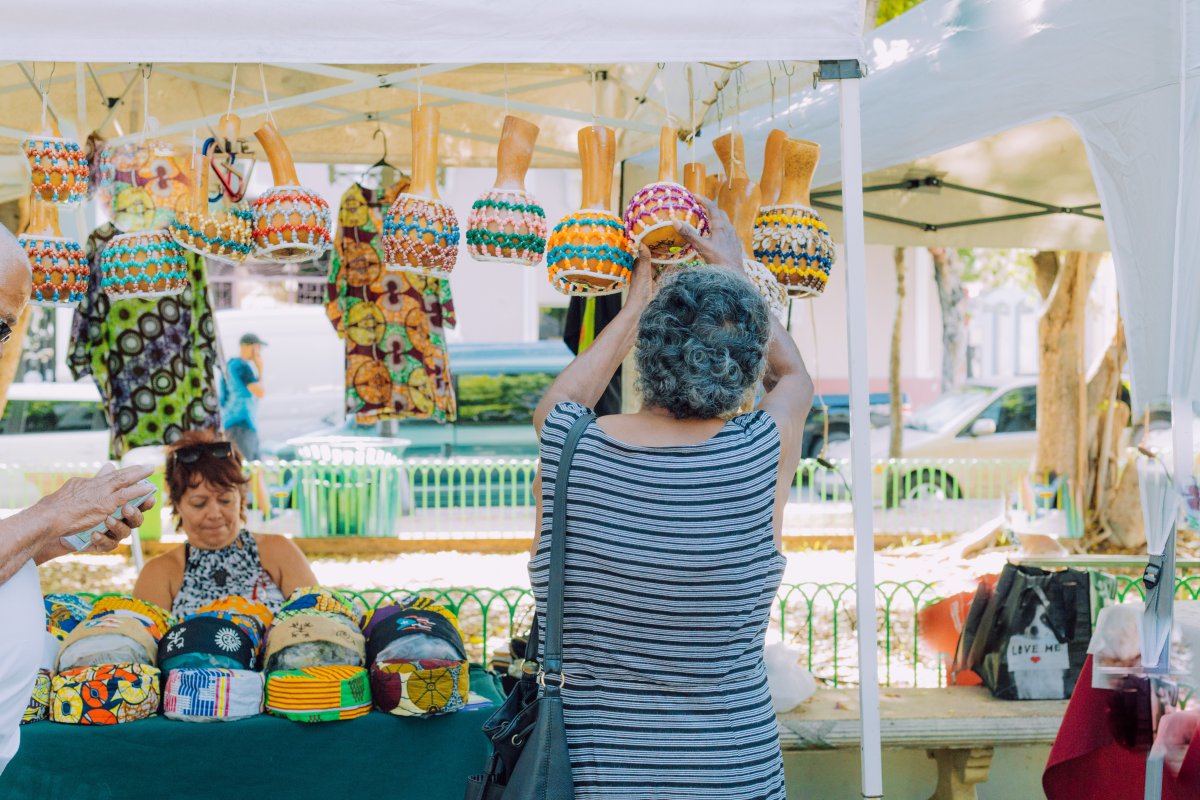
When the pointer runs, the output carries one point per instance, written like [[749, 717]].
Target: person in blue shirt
[[239, 397]]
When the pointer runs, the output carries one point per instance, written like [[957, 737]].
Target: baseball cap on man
[[252, 338]]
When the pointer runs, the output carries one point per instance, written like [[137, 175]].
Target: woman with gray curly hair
[[673, 529]]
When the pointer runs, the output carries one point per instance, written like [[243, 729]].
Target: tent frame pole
[[848, 73]]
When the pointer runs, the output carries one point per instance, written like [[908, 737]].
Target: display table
[[265, 757]]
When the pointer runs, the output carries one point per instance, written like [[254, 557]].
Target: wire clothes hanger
[[382, 162]]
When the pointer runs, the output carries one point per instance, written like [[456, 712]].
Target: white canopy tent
[[316, 38]]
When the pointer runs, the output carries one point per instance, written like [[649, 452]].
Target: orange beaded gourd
[[589, 251], [291, 223], [60, 268]]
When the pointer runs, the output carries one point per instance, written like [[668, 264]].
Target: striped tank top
[[671, 571]]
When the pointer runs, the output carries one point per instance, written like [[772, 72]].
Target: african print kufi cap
[[420, 688], [39, 702], [309, 599], [107, 640], [312, 640], [104, 695], [156, 619], [319, 694], [241, 606], [207, 641], [207, 695], [64, 612], [419, 630]]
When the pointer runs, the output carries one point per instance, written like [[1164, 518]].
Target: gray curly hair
[[702, 343]]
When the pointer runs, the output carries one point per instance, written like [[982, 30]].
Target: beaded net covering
[[60, 270], [58, 167], [770, 289], [227, 235], [795, 245], [653, 209], [145, 264], [507, 226], [291, 224], [589, 254], [420, 235]]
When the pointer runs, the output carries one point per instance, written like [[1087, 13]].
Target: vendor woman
[[206, 488]]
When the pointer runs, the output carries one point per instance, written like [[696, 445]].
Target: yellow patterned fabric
[[157, 619], [422, 688], [39, 702], [105, 695], [235, 604], [319, 694]]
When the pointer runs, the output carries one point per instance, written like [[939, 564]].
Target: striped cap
[[319, 694]]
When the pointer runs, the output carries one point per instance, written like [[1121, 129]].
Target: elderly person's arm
[[585, 379], [81, 503]]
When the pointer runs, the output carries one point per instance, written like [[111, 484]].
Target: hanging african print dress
[[392, 322], [153, 360]]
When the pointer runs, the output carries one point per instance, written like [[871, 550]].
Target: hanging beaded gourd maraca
[[143, 264], [506, 224], [58, 166], [589, 252], [291, 223], [420, 231], [652, 211], [739, 198], [60, 268], [789, 236], [226, 235]]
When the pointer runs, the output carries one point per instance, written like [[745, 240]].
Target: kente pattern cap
[[123, 637], [39, 702], [322, 598], [345, 646], [420, 688], [319, 694], [105, 695], [203, 641], [64, 612], [392, 623], [206, 695], [155, 618]]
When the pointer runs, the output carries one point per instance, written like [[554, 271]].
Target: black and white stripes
[[671, 572]]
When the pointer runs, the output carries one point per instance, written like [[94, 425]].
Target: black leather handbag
[[529, 759]]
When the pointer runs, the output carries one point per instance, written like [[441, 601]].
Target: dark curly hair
[[702, 343], [221, 473]]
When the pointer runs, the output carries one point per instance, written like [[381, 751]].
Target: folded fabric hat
[[236, 604], [212, 695], [64, 612], [249, 625], [206, 641], [319, 694], [156, 619], [105, 695], [107, 640], [420, 630], [39, 702], [313, 640], [380, 610], [322, 598], [420, 688]]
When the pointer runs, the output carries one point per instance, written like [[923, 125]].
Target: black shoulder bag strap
[[552, 654]]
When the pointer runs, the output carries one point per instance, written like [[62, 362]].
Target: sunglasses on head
[[193, 453], [6, 331]]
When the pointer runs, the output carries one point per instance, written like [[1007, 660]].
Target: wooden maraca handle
[[772, 174], [667, 139], [200, 197], [424, 152], [229, 128], [732, 151], [799, 163], [712, 186], [597, 149], [693, 178], [740, 199], [43, 217], [517, 139], [283, 168]]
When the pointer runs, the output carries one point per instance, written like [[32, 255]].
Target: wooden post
[[12, 356], [1083, 279]]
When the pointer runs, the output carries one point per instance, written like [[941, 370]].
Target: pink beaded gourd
[[653, 210]]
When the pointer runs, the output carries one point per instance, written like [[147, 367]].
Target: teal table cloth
[[264, 757]]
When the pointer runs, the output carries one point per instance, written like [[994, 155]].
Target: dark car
[[837, 406]]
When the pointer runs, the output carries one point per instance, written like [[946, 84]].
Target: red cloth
[[940, 625], [1086, 763]]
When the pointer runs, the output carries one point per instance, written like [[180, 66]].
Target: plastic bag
[[791, 684]]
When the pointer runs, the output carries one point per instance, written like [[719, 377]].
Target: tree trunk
[[947, 273], [896, 438]]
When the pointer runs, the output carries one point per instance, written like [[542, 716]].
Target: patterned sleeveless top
[[671, 572], [231, 570]]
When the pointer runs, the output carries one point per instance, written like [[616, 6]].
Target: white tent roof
[[966, 73], [387, 31]]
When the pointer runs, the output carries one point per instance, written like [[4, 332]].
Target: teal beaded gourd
[[506, 224], [143, 264]]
